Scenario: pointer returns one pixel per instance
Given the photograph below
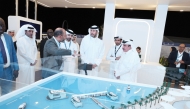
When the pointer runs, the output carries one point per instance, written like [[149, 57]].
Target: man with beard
[[69, 61], [92, 50], [8, 60], [42, 43], [114, 55], [129, 63], [26, 53], [53, 54], [74, 39]]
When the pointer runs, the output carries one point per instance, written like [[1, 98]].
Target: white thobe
[[76, 60], [127, 66], [92, 51], [115, 51], [13, 38], [78, 48], [26, 54], [69, 62]]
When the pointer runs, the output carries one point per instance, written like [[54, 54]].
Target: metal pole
[[26, 8], [16, 3], [36, 4]]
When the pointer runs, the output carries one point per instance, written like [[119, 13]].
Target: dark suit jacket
[[52, 57], [12, 54], [42, 43], [173, 56]]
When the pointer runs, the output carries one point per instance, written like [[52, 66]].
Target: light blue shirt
[[58, 44]]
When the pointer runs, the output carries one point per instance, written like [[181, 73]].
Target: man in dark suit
[[179, 59], [8, 60], [42, 43], [53, 54]]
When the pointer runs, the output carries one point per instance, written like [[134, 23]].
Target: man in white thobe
[[69, 61], [12, 34], [74, 39], [114, 55], [26, 54], [129, 63], [92, 50]]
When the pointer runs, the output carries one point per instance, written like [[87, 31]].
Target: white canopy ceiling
[[174, 5]]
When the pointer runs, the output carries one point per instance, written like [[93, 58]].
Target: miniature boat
[[76, 101], [56, 94], [112, 96], [22, 106]]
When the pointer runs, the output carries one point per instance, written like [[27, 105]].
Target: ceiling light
[[65, 6], [181, 10], [131, 8], [93, 7]]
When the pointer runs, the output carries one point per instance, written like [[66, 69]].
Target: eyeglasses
[[181, 47], [70, 35]]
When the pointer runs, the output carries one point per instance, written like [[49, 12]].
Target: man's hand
[[115, 76], [94, 66], [34, 63], [118, 77], [176, 63], [15, 74], [117, 58], [182, 62]]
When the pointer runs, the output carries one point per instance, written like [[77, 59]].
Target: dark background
[[177, 23]]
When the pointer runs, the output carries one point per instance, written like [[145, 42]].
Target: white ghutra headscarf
[[21, 31], [130, 42], [68, 31], [94, 27]]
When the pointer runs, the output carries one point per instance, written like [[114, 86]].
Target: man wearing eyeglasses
[[53, 54], [179, 59]]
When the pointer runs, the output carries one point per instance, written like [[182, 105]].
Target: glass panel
[[105, 94], [7, 86]]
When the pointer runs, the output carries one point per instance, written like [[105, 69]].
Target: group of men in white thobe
[[123, 57], [124, 60]]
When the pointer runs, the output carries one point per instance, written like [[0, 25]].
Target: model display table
[[89, 89]]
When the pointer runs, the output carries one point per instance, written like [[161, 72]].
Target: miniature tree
[[151, 102], [146, 102], [129, 103], [155, 100], [112, 107], [140, 103]]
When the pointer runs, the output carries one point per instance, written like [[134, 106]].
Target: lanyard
[[66, 45], [179, 56], [117, 49]]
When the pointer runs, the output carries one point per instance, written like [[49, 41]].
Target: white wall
[[139, 30], [108, 26], [159, 25], [14, 23]]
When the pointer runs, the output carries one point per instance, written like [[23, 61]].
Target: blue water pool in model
[[35, 98]]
